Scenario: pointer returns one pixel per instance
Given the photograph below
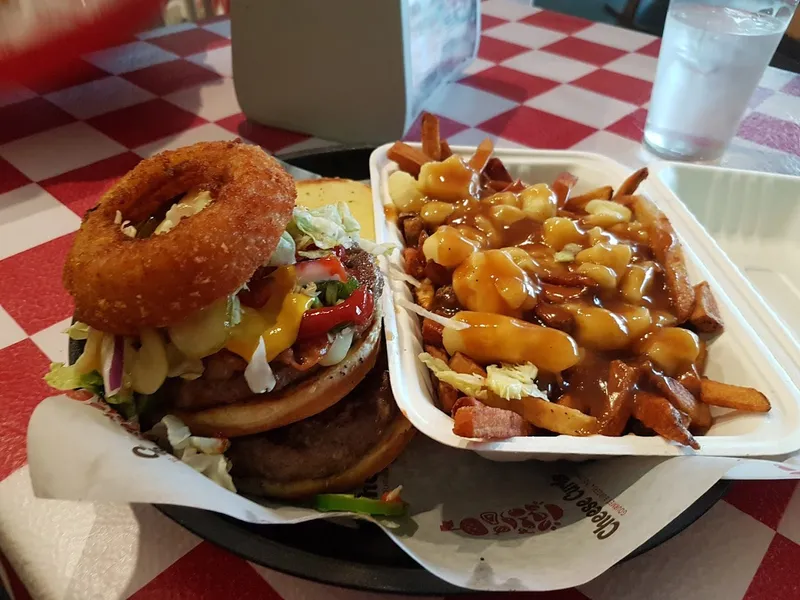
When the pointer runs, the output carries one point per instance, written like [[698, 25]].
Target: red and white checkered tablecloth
[[542, 79]]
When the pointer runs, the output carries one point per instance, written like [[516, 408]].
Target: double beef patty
[[325, 444], [223, 380]]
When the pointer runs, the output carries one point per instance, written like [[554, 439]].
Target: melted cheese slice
[[313, 193]]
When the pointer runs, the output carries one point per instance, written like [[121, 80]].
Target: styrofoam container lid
[[748, 353], [754, 218]]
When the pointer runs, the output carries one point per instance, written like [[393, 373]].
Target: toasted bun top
[[313, 193]]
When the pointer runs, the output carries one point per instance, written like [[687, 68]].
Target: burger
[[241, 330]]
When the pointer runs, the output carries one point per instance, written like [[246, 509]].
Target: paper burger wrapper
[[472, 522]]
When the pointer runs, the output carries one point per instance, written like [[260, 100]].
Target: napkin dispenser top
[[353, 71]]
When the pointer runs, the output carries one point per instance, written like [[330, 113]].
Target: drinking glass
[[713, 55]]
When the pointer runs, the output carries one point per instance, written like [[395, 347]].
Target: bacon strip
[[258, 289], [464, 402], [489, 423]]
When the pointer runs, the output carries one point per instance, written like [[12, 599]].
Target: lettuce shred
[[284, 254], [205, 455], [511, 382], [66, 377], [326, 227], [471, 385]]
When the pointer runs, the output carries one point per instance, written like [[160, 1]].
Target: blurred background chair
[[180, 11]]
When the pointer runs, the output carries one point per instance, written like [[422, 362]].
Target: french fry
[[562, 187], [414, 261], [431, 144], [496, 171], [551, 416], [726, 395], [567, 279], [702, 358], [447, 396], [437, 352], [633, 181], [619, 398], [628, 201], [644, 210], [558, 294], [702, 425], [489, 423], [571, 401], [482, 155], [461, 363], [690, 379], [563, 212], [659, 415], [432, 332], [408, 158], [444, 150], [699, 414], [463, 402], [515, 186], [580, 202], [555, 316], [422, 237], [557, 418], [412, 229], [438, 274], [636, 427], [497, 186], [706, 317], [667, 250], [425, 294]]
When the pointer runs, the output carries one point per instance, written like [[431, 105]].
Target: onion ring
[[122, 284]]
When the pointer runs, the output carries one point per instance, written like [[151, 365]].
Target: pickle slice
[[206, 331]]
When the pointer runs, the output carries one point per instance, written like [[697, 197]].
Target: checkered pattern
[[542, 80]]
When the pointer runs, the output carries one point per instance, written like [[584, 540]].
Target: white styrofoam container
[[740, 356], [755, 219]]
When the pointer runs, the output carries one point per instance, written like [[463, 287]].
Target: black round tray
[[354, 554]]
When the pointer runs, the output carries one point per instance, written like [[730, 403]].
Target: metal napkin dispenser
[[352, 71]]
